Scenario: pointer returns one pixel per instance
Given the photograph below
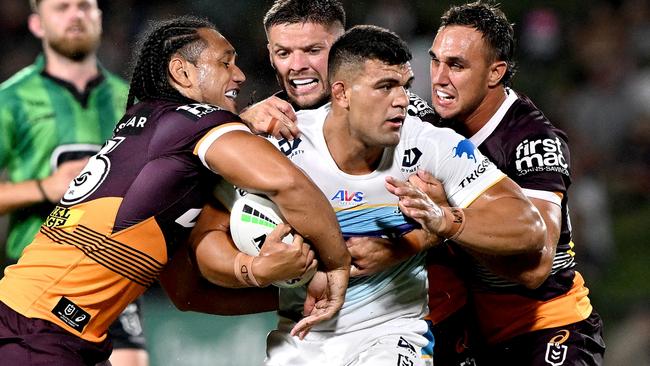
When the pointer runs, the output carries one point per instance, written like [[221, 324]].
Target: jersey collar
[[492, 124]]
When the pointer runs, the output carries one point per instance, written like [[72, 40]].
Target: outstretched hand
[[325, 296]]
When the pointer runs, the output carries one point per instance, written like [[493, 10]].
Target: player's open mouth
[[232, 94], [304, 83], [397, 120], [443, 95]]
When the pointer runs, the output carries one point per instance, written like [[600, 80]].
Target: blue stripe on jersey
[[375, 221]]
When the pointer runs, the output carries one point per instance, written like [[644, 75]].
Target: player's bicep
[[552, 215], [250, 162]]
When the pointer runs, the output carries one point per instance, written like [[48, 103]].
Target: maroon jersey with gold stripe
[[521, 141], [115, 227]]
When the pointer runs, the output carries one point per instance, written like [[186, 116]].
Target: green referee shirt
[[44, 121]]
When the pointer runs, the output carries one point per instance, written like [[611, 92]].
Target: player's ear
[[268, 47], [180, 71], [497, 70], [35, 26], [340, 94]]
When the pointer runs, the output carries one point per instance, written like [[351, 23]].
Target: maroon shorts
[[579, 343], [31, 342], [456, 339]]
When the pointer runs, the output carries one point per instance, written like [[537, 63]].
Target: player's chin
[[230, 105]]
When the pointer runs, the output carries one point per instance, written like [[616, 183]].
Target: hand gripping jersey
[[44, 122], [521, 141], [365, 208], [120, 219]]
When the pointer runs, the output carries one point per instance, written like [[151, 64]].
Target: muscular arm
[[253, 163], [189, 291], [501, 221], [215, 252], [530, 269]]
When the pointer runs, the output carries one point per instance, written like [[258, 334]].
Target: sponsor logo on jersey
[[541, 155], [71, 314], [411, 157], [62, 216], [344, 196], [290, 147], [485, 163], [197, 111], [555, 350], [418, 107], [464, 147]]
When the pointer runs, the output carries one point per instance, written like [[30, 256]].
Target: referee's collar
[[82, 97]]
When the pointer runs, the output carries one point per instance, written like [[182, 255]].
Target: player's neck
[[488, 107], [350, 154], [77, 73]]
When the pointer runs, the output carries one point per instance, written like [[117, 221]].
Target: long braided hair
[[149, 79]]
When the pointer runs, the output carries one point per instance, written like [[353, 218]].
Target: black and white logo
[[196, 111], [71, 314], [411, 157], [541, 155], [290, 147]]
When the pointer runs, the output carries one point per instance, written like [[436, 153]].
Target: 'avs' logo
[[465, 147], [289, 147], [411, 157], [345, 196]]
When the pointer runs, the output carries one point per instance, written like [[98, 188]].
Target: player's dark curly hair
[[488, 19], [163, 39], [367, 42], [325, 12]]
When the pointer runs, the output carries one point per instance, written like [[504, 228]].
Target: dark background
[[585, 63]]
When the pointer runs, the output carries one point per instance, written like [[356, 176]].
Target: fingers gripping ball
[[252, 217]]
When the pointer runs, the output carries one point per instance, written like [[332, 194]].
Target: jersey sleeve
[[540, 163], [195, 127], [464, 172]]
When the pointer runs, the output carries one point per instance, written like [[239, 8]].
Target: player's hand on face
[[325, 296], [279, 261], [57, 184], [272, 116], [371, 255], [414, 203]]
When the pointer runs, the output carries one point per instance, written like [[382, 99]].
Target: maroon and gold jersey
[[121, 218], [521, 141]]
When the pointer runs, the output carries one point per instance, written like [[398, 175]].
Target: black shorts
[[32, 342], [455, 340], [579, 343], [127, 331]]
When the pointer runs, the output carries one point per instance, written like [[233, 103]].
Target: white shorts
[[396, 343]]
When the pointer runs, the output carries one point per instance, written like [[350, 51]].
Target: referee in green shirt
[[54, 114]]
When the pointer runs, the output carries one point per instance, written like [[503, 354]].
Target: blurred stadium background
[[585, 63]]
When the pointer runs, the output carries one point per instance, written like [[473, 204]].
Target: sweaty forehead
[[454, 40], [216, 42]]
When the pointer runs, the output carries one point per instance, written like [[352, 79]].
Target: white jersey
[[365, 208]]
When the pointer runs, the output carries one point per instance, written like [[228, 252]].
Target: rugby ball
[[252, 217]]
